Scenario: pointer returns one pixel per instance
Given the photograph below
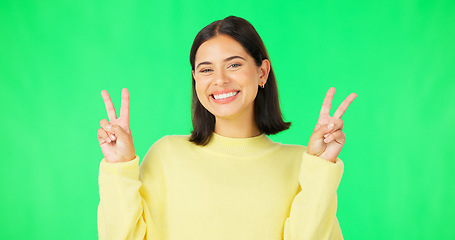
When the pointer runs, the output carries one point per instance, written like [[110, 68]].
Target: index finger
[[109, 106], [125, 107], [326, 105], [344, 105]]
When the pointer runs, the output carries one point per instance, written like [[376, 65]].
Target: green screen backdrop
[[398, 56]]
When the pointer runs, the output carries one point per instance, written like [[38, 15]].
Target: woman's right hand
[[114, 136]]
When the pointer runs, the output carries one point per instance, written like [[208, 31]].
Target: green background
[[398, 56]]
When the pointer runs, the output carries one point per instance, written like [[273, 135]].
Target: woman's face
[[227, 78]]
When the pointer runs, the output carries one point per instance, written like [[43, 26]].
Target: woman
[[227, 180]]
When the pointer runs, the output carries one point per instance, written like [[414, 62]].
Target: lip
[[225, 100], [223, 91]]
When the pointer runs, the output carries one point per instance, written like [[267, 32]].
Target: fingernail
[[330, 126], [326, 135], [108, 127], [326, 140], [108, 140], [112, 136]]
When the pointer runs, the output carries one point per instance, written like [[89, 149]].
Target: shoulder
[[292, 148], [166, 147], [289, 157], [172, 139], [291, 153], [171, 142]]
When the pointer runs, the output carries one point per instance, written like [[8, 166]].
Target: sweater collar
[[246, 147]]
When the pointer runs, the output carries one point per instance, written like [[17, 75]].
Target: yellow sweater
[[231, 189]]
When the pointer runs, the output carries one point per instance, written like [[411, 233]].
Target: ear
[[264, 71], [193, 74]]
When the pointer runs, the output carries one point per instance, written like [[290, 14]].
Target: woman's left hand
[[328, 138]]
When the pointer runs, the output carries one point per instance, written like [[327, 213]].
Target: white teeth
[[224, 95]]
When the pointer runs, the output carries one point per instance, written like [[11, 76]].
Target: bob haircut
[[267, 111]]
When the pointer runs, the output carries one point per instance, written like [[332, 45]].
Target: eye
[[235, 65], [205, 70]]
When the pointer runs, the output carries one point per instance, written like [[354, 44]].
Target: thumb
[[117, 131], [323, 130], [114, 131]]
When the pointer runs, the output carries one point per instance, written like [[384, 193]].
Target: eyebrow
[[225, 60]]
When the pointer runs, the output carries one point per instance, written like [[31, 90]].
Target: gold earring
[[263, 85]]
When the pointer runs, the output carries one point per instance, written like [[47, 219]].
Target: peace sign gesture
[[114, 136], [328, 138]]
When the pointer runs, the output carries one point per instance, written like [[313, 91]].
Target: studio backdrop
[[398, 56]]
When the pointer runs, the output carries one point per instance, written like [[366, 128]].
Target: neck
[[241, 147], [237, 128]]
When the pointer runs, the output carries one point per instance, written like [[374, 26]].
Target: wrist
[[321, 156], [122, 159], [129, 158]]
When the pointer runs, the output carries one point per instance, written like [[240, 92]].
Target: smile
[[224, 95]]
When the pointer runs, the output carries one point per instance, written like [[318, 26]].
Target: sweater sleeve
[[313, 210], [122, 211]]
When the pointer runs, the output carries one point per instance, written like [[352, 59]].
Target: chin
[[225, 114]]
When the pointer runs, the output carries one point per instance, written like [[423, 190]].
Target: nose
[[221, 78]]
